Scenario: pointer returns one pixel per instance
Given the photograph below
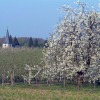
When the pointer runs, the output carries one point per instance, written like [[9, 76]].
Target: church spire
[[7, 37]]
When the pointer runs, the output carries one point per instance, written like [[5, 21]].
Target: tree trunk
[[79, 82], [29, 77], [12, 78], [3, 79], [64, 82], [94, 85], [29, 81]]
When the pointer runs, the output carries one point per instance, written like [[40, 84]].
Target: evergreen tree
[[10, 39], [15, 42], [30, 44], [36, 44]]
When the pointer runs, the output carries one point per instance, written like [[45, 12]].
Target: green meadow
[[45, 92]]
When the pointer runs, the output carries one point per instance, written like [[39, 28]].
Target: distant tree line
[[25, 41], [36, 42], [14, 41], [33, 44]]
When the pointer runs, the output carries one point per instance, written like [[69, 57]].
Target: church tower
[[7, 37], [7, 43]]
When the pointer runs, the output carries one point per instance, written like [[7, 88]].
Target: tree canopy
[[74, 47]]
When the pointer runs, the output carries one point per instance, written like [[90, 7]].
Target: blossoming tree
[[74, 48]]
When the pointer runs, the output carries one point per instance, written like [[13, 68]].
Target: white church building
[[7, 43]]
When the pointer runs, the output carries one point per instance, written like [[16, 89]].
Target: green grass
[[45, 92]]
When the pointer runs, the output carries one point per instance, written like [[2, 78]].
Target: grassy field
[[43, 92], [17, 58]]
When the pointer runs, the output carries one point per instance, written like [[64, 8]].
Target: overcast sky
[[32, 18]]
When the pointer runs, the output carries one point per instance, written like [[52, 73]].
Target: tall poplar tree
[[30, 44]]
